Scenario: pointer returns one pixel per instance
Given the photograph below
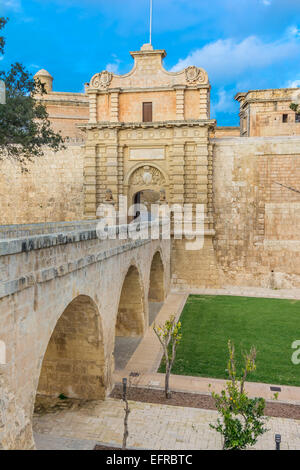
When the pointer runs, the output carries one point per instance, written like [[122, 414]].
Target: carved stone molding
[[101, 81]]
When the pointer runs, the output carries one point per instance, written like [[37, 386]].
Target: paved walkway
[[151, 426], [182, 383], [248, 292], [147, 356], [125, 346]]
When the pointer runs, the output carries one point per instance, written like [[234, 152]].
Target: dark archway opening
[[130, 324], [156, 294]]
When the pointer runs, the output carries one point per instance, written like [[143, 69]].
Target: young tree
[[24, 125], [242, 417], [126, 415], [169, 336], [128, 384]]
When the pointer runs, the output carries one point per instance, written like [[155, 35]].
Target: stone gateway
[[67, 297]]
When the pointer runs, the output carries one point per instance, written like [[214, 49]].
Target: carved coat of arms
[[147, 175], [194, 74], [102, 80]]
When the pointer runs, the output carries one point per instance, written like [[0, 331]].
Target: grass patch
[[208, 322]]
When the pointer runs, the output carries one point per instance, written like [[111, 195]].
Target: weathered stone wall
[[257, 221], [51, 189]]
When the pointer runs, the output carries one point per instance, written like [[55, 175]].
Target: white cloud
[[225, 102], [113, 66], [227, 59], [12, 4], [266, 2], [293, 84], [294, 31]]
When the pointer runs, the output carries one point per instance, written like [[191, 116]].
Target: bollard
[[277, 441]]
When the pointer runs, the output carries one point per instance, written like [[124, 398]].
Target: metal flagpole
[[151, 10]]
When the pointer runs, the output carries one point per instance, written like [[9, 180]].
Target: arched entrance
[[145, 198], [74, 362], [146, 185], [156, 295], [130, 324]]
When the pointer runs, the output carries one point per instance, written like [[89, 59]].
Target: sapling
[[169, 336]]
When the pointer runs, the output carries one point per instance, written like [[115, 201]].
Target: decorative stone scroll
[[194, 75], [101, 80]]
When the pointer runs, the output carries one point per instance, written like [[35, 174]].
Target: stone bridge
[[65, 296]]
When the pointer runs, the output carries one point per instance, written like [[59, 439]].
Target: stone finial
[[45, 78], [147, 47]]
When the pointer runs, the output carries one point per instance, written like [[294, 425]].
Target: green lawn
[[208, 322]]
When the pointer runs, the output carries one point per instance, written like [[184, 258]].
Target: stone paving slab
[[46, 442], [151, 426]]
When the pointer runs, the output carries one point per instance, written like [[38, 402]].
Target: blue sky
[[243, 44]]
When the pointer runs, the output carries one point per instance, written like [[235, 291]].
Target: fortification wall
[[50, 190], [257, 221]]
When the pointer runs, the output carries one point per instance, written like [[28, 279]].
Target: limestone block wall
[[51, 189], [66, 111], [256, 217]]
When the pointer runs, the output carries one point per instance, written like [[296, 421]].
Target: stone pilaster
[[121, 171], [112, 151], [204, 103], [202, 171], [114, 105], [90, 177], [177, 172], [93, 107], [180, 102]]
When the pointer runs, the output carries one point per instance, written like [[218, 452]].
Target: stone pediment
[[148, 72]]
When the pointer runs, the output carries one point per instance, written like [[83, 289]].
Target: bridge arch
[[74, 362], [131, 317], [157, 289], [131, 310], [156, 281]]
